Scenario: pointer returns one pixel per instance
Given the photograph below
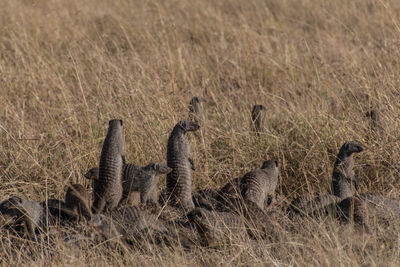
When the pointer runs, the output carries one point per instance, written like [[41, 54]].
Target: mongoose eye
[[276, 163], [121, 122]]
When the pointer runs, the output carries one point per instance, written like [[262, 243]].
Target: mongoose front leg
[[191, 163]]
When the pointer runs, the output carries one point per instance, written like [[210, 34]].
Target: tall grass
[[67, 67]]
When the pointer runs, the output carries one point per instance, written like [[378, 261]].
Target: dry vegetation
[[67, 67]]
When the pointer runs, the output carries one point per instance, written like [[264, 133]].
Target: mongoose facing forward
[[138, 179], [259, 185], [258, 119], [108, 190], [179, 158], [148, 180], [344, 180]]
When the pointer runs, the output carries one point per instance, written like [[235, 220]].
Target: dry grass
[[67, 67]]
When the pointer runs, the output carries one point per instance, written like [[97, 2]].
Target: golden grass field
[[68, 67]]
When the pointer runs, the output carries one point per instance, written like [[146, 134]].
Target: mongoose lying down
[[259, 185], [138, 179], [108, 190], [179, 158], [344, 180], [134, 225], [25, 216], [313, 206], [363, 209], [217, 228]]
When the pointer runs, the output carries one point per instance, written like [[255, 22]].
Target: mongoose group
[[242, 207]]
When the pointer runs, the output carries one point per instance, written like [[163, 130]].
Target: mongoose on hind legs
[[375, 123], [195, 110], [179, 158], [259, 185], [344, 180], [108, 190], [258, 119]]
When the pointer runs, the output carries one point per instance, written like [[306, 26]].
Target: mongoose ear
[[182, 124]]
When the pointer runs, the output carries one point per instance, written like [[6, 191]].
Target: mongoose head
[[350, 147], [115, 123], [103, 225], [270, 164], [196, 99], [188, 125], [93, 174], [12, 202], [372, 114], [158, 168], [257, 109]]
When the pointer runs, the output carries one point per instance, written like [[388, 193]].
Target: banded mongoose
[[344, 180], [28, 214], [375, 123], [258, 119], [195, 111], [179, 158], [138, 179], [77, 201], [216, 228], [108, 190], [259, 185], [133, 225], [313, 206]]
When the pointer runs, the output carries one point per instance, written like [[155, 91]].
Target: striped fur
[[179, 158], [344, 180], [108, 190], [259, 185]]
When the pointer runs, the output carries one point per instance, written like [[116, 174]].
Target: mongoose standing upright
[[179, 158], [108, 190], [344, 180], [77, 201], [259, 185], [258, 119], [195, 111], [375, 123]]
